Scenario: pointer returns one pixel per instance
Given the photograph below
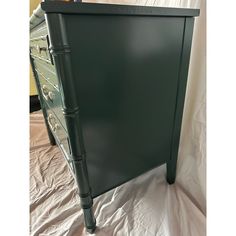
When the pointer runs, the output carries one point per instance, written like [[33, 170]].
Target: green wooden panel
[[127, 89]]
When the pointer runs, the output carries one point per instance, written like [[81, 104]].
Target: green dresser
[[111, 81]]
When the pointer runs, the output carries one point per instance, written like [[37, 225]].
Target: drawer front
[[39, 30], [48, 71], [52, 98], [39, 49], [59, 133], [39, 43]]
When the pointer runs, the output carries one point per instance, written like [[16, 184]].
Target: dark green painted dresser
[[111, 81]]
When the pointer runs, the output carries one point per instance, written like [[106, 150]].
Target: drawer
[[59, 133], [39, 30], [39, 48], [52, 98], [48, 71]]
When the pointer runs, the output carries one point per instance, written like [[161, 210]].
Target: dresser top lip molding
[[106, 9]]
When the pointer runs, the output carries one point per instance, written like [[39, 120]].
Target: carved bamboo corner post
[[61, 52]]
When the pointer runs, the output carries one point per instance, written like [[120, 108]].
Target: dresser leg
[[89, 220], [50, 135], [171, 171], [86, 200]]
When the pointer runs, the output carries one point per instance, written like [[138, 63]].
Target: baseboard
[[34, 103]]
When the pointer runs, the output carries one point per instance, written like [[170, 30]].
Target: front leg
[[50, 135], [86, 200]]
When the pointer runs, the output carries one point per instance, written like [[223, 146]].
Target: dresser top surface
[[114, 9], [106, 9]]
